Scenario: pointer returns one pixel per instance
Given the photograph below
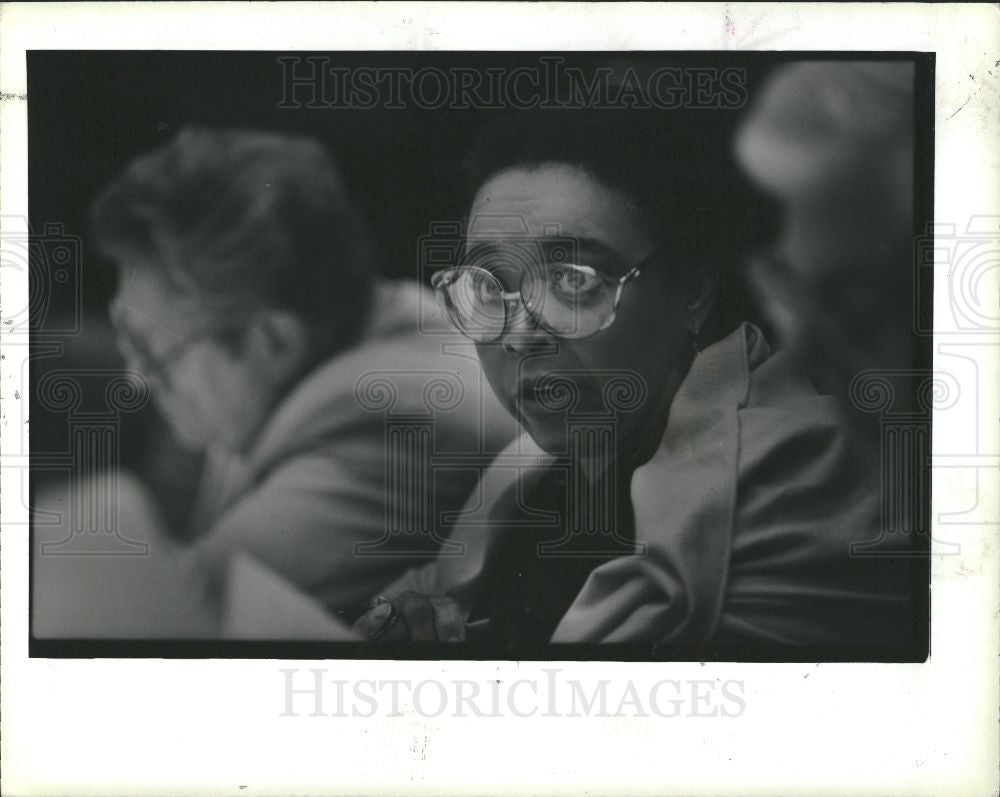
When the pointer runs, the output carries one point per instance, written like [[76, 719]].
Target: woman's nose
[[128, 356], [522, 334]]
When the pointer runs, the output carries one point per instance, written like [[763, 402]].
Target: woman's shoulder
[[785, 421]]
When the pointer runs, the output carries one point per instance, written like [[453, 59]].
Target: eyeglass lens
[[571, 301]]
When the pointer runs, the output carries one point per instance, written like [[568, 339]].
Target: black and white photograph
[[398, 358], [501, 355]]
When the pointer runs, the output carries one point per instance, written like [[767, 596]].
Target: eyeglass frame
[[156, 366], [508, 297]]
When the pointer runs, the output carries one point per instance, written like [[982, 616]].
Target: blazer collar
[[701, 431]]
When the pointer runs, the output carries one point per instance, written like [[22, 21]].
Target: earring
[[693, 340]]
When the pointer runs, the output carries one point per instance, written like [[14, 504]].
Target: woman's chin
[[551, 439]]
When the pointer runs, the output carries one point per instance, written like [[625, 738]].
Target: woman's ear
[[703, 285], [276, 344]]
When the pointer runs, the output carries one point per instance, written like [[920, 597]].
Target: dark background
[[90, 113], [93, 112]]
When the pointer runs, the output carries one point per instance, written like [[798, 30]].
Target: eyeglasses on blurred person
[[249, 303]]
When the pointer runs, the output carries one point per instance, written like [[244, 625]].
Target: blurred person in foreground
[[834, 143], [732, 478], [248, 302]]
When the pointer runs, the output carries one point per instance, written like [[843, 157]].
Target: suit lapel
[[684, 500]]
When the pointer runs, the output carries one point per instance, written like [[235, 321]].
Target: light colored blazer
[[747, 510], [324, 477]]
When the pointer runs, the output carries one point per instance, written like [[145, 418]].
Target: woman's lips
[[539, 391]]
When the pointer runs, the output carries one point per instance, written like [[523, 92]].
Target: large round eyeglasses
[[568, 300]]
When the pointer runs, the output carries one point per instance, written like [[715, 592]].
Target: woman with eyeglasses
[[679, 484]]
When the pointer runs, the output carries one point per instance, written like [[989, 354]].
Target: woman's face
[[625, 375], [208, 394]]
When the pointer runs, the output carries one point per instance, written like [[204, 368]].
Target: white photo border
[[149, 726]]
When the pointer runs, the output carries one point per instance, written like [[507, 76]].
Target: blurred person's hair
[[245, 219], [674, 165]]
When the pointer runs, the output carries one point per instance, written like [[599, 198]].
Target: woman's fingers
[[448, 619], [417, 613], [381, 622], [414, 617]]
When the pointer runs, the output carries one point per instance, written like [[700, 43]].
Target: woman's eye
[[573, 282], [486, 289]]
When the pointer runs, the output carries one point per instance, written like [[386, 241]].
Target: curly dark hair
[[676, 166]]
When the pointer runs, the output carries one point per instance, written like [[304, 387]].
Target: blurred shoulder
[[408, 364]]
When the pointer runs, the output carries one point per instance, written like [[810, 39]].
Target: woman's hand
[[412, 617]]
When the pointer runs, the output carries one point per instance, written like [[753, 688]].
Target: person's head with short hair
[[594, 247], [673, 167], [242, 264]]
